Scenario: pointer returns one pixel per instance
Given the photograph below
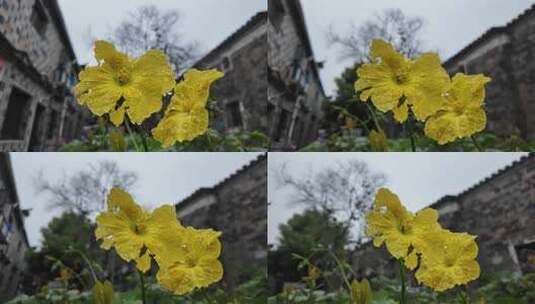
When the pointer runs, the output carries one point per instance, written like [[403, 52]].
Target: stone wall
[[37, 73], [13, 239], [500, 211], [506, 55], [238, 208], [241, 95], [295, 92]]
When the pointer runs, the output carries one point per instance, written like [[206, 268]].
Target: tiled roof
[[449, 198], [489, 34], [259, 18], [208, 190]]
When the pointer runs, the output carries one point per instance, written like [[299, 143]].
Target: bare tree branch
[[345, 191], [149, 28], [391, 25], [85, 191]]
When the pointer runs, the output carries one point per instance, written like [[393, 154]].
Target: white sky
[[163, 177], [450, 25], [207, 21], [419, 179]]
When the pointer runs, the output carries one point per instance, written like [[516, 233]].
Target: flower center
[[401, 78], [123, 76], [450, 262], [139, 228], [191, 262]]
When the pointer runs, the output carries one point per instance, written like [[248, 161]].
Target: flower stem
[[465, 297], [474, 140], [127, 124], [84, 257], [410, 127], [142, 281], [375, 121], [144, 141], [402, 274], [342, 270]]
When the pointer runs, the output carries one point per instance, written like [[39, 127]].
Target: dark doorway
[[18, 105], [36, 140]]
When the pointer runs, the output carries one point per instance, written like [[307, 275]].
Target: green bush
[[496, 288]]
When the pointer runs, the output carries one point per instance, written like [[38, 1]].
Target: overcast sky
[[419, 179], [450, 25], [207, 21], [163, 177]]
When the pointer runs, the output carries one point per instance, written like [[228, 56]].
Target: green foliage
[[250, 292], [63, 234], [341, 142], [212, 141], [498, 288], [306, 235]]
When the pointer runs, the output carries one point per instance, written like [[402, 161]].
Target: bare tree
[[85, 191], [149, 28], [345, 191], [391, 25]]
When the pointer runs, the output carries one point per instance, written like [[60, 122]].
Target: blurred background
[[49, 202], [315, 50], [318, 203], [45, 44]]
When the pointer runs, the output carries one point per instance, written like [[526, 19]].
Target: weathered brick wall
[[245, 78], [42, 68], [523, 68], [47, 52], [506, 55], [294, 112], [13, 243], [499, 210], [238, 208]]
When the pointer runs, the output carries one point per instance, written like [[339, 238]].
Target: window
[[18, 106], [281, 126], [234, 114], [270, 110], [461, 69], [296, 132], [38, 18], [226, 64], [53, 124], [297, 72]]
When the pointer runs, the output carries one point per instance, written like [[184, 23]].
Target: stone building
[[13, 238], [506, 54], [38, 70], [241, 95], [295, 92], [500, 210], [237, 207]]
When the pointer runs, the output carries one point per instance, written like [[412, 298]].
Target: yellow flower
[[135, 233], [402, 232], [187, 117], [195, 262], [391, 76], [120, 84], [462, 114], [448, 260]]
